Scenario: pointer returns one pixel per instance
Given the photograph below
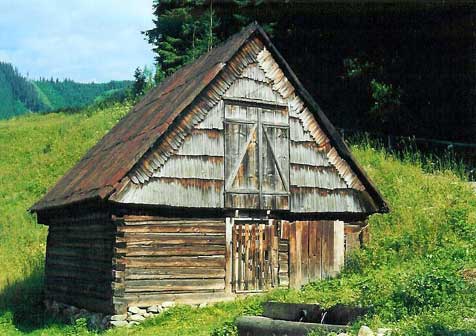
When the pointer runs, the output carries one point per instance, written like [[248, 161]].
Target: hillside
[[17, 94], [69, 94], [417, 275], [20, 95]]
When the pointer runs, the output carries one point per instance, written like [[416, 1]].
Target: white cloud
[[82, 39]]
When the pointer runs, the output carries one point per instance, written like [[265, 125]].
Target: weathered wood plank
[[130, 219], [228, 255], [174, 273], [172, 250], [157, 227], [338, 246], [146, 299], [159, 238], [305, 252], [314, 253], [153, 262], [174, 285], [293, 257]]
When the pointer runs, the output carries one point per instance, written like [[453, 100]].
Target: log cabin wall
[[78, 268], [169, 259]]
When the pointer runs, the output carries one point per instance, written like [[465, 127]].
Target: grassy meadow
[[418, 275]]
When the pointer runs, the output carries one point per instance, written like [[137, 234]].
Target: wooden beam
[[228, 254]]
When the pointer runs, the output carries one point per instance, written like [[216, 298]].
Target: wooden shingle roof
[[100, 171]]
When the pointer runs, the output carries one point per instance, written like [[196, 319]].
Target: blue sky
[[84, 40]]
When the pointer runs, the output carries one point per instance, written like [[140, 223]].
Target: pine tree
[[139, 83], [180, 36]]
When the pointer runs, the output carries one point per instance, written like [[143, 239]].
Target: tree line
[[19, 95], [403, 69]]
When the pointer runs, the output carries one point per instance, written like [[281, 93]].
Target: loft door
[[256, 156]]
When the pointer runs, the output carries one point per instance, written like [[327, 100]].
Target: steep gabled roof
[[101, 170]]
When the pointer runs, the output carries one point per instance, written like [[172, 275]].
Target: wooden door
[[256, 157], [316, 250], [254, 256]]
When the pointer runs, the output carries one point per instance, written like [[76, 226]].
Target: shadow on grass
[[441, 330], [21, 303]]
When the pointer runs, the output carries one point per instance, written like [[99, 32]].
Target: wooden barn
[[225, 179]]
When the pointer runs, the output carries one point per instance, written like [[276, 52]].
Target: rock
[[95, 320], [365, 331], [383, 331], [342, 334], [122, 317], [146, 315], [71, 311], [155, 309], [168, 304], [62, 306], [119, 323], [202, 305], [54, 308], [133, 323], [47, 304], [136, 317], [137, 311], [105, 322]]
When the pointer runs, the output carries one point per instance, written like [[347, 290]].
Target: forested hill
[[67, 93], [19, 95]]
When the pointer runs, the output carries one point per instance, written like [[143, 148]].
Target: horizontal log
[[283, 269], [82, 227], [90, 303], [78, 275], [152, 262], [283, 247], [283, 281], [61, 262], [147, 299], [86, 234], [173, 285], [89, 217], [158, 238], [81, 268], [174, 228], [353, 228], [98, 254], [81, 243], [292, 311], [80, 259], [94, 291], [258, 325], [174, 273], [172, 250], [136, 218]]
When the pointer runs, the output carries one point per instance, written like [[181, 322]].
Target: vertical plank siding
[[316, 250], [176, 258], [78, 267]]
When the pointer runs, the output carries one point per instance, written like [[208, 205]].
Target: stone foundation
[[100, 321]]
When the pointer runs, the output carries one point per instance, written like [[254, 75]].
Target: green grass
[[411, 275]]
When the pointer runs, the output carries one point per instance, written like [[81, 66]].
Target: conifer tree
[[180, 36], [139, 82]]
